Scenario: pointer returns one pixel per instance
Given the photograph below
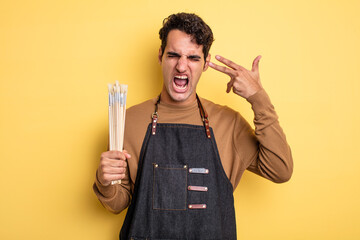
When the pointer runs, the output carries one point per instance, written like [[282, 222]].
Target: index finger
[[228, 62], [113, 154], [222, 69]]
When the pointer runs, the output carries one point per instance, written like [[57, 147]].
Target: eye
[[194, 58], [173, 55]]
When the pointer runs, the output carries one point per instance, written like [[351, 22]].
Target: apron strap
[[203, 114], [154, 117], [204, 117]]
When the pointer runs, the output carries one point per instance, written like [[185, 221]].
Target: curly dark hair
[[191, 24]]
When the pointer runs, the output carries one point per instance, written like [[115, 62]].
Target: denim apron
[[181, 189]]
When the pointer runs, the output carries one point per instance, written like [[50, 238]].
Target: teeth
[[182, 77]]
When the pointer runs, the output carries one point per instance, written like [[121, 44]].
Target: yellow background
[[56, 58]]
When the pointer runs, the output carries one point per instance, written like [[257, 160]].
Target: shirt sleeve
[[272, 157]]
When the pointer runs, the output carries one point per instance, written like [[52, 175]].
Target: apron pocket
[[169, 187]]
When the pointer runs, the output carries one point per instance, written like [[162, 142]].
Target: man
[[179, 180]]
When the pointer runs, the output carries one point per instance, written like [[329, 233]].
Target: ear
[[160, 56], [207, 61]]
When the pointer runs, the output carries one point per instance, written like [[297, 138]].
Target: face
[[182, 64]]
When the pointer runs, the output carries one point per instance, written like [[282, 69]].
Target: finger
[[115, 163], [255, 65], [106, 163], [111, 177], [222, 69], [127, 155], [113, 155], [112, 170], [230, 85], [227, 62]]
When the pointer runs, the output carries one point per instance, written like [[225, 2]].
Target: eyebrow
[[178, 55]]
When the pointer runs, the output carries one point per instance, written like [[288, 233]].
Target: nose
[[181, 64]]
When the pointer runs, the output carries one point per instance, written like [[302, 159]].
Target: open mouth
[[181, 82]]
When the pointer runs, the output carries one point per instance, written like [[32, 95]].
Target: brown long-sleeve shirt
[[263, 151]]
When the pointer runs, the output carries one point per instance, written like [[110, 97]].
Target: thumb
[[127, 155], [255, 65]]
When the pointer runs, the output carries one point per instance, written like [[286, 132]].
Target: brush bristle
[[109, 87], [124, 88]]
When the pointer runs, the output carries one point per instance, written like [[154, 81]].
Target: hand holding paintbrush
[[113, 163]]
